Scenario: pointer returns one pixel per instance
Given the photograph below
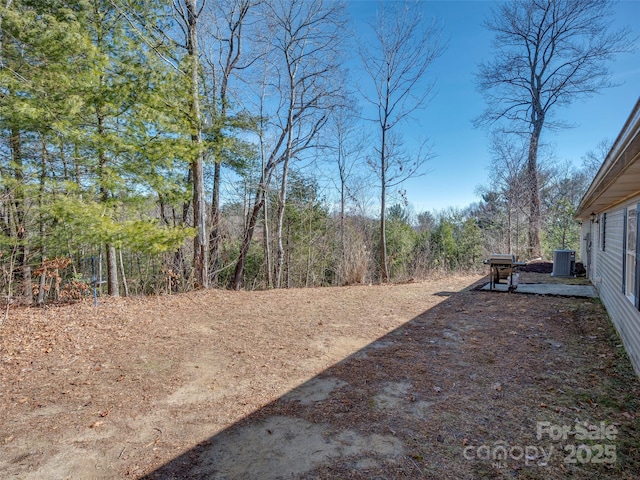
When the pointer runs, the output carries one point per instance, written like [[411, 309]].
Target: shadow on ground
[[475, 370]]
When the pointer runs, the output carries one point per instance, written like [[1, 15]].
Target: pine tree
[[39, 42]]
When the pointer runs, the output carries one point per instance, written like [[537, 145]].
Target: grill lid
[[502, 258]]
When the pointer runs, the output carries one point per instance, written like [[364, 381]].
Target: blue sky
[[462, 160]]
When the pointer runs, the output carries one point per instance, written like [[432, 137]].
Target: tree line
[[160, 146]]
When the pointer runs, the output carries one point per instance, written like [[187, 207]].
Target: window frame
[[631, 255]]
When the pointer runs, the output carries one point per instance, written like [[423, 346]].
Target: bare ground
[[420, 380]]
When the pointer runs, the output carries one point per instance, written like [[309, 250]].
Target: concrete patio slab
[[561, 290]]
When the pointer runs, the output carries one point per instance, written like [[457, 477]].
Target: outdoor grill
[[503, 266]]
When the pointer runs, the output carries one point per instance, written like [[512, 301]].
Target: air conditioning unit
[[564, 263]]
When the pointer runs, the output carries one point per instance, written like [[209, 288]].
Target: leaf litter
[[390, 381]]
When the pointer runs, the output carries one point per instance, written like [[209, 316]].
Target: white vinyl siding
[[609, 264], [613, 268]]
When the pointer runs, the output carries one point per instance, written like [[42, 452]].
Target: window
[[603, 230]]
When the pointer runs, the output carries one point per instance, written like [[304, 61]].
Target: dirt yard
[[429, 380]]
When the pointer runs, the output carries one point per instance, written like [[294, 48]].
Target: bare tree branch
[[397, 63]]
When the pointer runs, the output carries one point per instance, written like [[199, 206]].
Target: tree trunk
[[22, 249], [509, 224], [124, 277], [100, 270], [200, 247], [42, 284], [43, 248], [309, 249], [534, 192], [77, 165], [232, 57], [214, 235], [238, 273], [288, 270], [292, 70], [112, 265], [281, 208], [200, 241], [384, 272], [267, 246], [343, 262], [113, 288], [342, 219], [181, 266]]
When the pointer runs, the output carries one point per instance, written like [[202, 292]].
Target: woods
[[157, 147]]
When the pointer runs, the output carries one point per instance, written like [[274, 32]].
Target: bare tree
[[507, 177], [548, 53], [397, 62], [308, 47], [305, 39], [593, 159], [347, 143], [224, 33]]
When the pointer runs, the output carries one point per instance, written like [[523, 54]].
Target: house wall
[[588, 240], [607, 278], [583, 244]]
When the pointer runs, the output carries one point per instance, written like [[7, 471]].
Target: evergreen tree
[[42, 49]]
